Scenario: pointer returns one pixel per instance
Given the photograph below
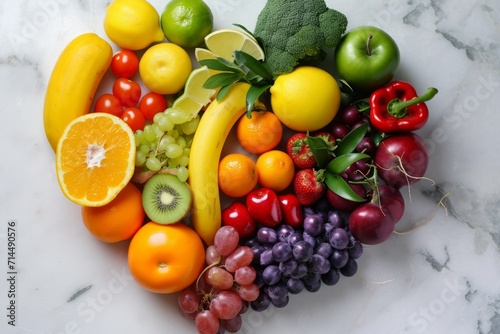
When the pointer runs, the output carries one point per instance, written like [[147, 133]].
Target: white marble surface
[[441, 278]]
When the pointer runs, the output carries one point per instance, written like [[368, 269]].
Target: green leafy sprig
[[343, 156], [244, 68]]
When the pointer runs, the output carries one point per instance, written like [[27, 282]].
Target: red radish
[[308, 186], [264, 207], [293, 214], [392, 200], [371, 224], [237, 216], [401, 159]]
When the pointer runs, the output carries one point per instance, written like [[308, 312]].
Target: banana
[[73, 83], [206, 148]]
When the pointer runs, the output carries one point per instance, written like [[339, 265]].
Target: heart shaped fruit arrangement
[[313, 171]]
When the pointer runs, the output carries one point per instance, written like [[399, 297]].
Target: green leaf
[[221, 64], [339, 186], [340, 163], [319, 149], [351, 140], [252, 64], [223, 92], [221, 79], [253, 94], [242, 27]]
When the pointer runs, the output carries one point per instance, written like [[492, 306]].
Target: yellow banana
[[209, 138], [73, 83]]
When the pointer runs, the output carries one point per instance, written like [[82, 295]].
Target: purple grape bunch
[[289, 261]]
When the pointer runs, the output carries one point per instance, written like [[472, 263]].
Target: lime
[[132, 24], [186, 22], [164, 68], [224, 42], [194, 96]]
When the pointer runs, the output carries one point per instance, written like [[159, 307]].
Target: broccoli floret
[[297, 31]]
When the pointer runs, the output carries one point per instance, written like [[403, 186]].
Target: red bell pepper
[[397, 107]]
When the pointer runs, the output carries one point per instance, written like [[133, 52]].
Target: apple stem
[[368, 46]]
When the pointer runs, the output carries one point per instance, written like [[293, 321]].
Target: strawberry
[[298, 149], [308, 186]]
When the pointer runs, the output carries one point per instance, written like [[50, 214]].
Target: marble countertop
[[443, 277]]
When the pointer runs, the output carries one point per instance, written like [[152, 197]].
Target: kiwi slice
[[166, 200]]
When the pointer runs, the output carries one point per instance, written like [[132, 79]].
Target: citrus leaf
[[340, 163], [223, 92], [351, 140], [252, 64], [221, 79], [253, 94], [221, 64], [319, 149], [339, 186]]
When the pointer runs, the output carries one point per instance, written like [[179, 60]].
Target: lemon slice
[[194, 96], [202, 54], [223, 42]]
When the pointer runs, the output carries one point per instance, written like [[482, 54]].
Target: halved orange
[[95, 158]]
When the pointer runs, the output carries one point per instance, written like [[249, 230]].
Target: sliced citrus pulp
[[95, 159], [224, 42], [194, 96]]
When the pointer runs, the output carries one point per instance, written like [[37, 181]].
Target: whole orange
[[260, 133], [275, 169], [237, 175], [118, 220], [166, 258]]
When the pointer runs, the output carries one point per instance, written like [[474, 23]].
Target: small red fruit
[[237, 216], [264, 207], [298, 149], [308, 186], [293, 213], [371, 224]]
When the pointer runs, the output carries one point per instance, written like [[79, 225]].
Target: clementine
[[118, 220], [260, 133], [237, 175], [166, 258], [275, 170]]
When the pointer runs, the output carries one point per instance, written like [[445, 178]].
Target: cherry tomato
[[134, 118], [151, 104], [125, 64], [108, 103], [127, 91]]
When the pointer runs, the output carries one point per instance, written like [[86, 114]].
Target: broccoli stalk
[[297, 31]]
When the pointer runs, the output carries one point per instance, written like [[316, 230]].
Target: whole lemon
[[132, 24], [165, 68], [306, 99], [187, 22]]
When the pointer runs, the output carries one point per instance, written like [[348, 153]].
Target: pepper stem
[[368, 45], [398, 108]]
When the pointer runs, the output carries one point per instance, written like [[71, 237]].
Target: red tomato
[[108, 103], [127, 91], [151, 104], [125, 64], [134, 118]]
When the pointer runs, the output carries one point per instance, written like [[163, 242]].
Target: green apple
[[366, 58]]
